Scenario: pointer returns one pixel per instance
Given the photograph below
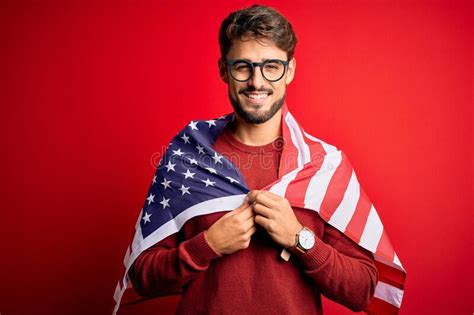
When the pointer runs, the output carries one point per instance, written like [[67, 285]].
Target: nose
[[257, 80]]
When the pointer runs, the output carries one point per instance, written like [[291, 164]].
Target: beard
[[256, 118]]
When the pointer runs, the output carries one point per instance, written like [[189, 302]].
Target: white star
[[188, 174], [166, 183], [154, 180], [170, 166], [200, 149], [146, 218], [185, 138], [193, 161], [221, 117], [184, 190], [165, 203], [208, 182], [151, 198], [231, 179], [178, 152], [193, 126], [211, 122], [210, 169], [217, 158]]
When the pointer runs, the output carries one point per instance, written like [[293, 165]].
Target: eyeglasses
[[242, 70]]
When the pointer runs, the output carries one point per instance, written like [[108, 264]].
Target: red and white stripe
[[331, 188]]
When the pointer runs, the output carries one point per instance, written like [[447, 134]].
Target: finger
[[251, 231], [242, 207], [252, 194], [247, 225], [246, 201], [263, 211], [263, 222], [237, 210], [246, 214], [264, 199]]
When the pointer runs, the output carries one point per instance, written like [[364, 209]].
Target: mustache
[[254, 89]]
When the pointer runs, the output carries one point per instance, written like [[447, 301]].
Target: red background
[[90, 92]]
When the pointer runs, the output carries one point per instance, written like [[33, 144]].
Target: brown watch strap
[[295, 248]]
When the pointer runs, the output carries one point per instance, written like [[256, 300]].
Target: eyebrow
[[261, 60]]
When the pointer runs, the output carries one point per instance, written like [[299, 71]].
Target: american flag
[[193, 179]]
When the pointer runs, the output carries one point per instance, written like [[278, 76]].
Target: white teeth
[[257, 96]]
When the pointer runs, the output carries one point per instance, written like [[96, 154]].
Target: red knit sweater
[[255, 280]]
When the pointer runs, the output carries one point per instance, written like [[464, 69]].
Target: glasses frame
[[252, 65]]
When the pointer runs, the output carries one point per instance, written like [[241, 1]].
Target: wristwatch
[[304, 241]]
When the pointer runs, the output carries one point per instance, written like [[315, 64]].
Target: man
[[265, 256]]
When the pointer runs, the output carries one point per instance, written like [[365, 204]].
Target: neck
[[256, 134]]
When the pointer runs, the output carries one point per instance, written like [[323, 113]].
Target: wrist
[[210, 242], [199, 250], [292, 238]]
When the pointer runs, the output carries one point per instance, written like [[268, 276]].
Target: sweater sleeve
[[166, 267], [343, 271]]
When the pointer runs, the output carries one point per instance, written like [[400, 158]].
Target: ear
[[290, 73], [223, 70]]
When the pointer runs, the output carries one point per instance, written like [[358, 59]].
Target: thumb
[[239, 209], [243, 206]]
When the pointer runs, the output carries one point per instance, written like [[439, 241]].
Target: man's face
[[256, 100]]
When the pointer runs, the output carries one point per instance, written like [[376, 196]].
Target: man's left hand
[[276, 216]]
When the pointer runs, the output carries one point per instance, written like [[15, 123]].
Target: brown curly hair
[[257, 22]]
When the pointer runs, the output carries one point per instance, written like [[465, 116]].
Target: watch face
[[306, 239]]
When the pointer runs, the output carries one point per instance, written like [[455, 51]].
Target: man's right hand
[[233, 231]]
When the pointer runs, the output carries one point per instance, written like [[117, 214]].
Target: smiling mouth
[[256, 96]]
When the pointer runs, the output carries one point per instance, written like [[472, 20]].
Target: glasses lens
[[241, 70], [273, 70]]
